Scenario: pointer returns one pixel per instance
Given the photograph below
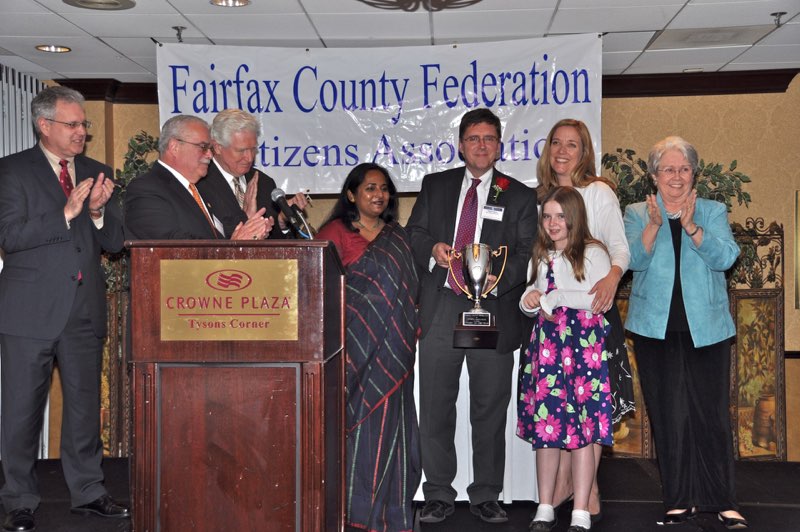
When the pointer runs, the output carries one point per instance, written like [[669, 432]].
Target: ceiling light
[[106, 5], [692, 70], [709, 37], [230, 3], [53, 48]]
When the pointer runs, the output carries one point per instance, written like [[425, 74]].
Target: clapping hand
[[255, 228], [76, 198], [653, 211], [687, 211]]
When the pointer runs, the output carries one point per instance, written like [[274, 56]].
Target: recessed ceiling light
[[230, 3], [53, 48], [107, 5]]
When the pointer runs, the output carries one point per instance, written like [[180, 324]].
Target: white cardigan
[[570, 292], [605, 221]]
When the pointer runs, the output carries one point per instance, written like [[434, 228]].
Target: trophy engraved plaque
[[476, 327]]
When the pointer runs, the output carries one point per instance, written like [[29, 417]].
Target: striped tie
[[239, 191]]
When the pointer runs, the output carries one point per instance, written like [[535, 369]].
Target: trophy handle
[[450, 254], [502, 269]]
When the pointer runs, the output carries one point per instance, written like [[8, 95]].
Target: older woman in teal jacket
[[680, 248]]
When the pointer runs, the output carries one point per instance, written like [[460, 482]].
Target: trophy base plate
[[467, 337]]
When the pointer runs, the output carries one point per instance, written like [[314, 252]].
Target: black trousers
[[686, 391], [27, 366], [490, 391]]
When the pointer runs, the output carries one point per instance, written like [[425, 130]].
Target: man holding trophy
[[475, 204]]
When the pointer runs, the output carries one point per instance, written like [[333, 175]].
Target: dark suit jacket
[[433, 219], [219, 197], [43, 257], [158, 207]]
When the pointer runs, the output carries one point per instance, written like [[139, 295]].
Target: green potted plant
[[138, 158]]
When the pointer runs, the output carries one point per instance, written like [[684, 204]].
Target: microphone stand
[[306, 231]]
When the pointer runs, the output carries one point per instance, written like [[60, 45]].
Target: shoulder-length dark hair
[[346, 210], [585, 172], [578, 238]]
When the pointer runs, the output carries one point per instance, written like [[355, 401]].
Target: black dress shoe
[[489, 511], [103, 506], [733, 523], [436, 511], [576, 528], [19, 520], [678, 518], [543, 526]]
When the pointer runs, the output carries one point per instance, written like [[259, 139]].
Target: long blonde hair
[[585, 172], [578, 235]]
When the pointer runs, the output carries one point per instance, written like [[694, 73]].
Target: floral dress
[[564, 389]]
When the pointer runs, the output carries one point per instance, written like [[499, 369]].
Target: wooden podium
[[237, 368]]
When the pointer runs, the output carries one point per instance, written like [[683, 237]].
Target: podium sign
[[205, 300], [237, 376]]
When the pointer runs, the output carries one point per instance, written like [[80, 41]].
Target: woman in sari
[[383, 460]]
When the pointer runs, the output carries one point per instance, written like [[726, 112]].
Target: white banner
[[324, 110]]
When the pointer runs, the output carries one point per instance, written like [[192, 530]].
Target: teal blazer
[[703, 267]]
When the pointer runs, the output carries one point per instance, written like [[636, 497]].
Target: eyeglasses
[[669, 171], [475, 139], [72, 125], [204, 146]]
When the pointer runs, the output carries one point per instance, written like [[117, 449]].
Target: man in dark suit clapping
[[57, 213], [454, 207], [234, 189], [165, 203]]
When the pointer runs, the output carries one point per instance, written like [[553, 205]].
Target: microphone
[[293, 217]]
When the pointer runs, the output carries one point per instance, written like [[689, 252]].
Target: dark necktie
[[66, 186], [466, 231], [64, 178]]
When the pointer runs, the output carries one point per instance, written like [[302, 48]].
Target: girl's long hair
[[578, 235]]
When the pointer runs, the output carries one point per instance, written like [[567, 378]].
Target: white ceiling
[[641, 36]]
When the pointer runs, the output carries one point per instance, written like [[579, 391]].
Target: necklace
[[373, 228], [674, 215]]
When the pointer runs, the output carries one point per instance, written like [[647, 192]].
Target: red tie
[[66, 185], [466, 231], [64, 178]]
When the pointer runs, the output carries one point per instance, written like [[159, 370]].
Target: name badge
[[493, 212]]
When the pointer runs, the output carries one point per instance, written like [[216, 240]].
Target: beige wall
[[760, 131]]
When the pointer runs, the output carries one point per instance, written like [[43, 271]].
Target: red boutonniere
[[500, 186]]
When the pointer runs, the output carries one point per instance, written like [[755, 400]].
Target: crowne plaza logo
[[229, 280]]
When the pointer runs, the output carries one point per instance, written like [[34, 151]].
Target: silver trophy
[[476, 327]]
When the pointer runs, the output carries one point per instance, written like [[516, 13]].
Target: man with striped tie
[[233, 188]]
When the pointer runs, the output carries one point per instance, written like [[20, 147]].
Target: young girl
[[564, 390]]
